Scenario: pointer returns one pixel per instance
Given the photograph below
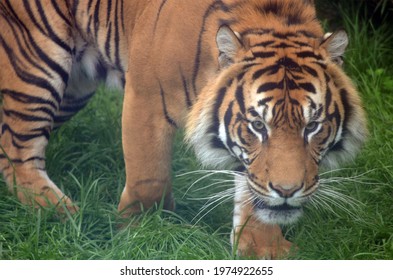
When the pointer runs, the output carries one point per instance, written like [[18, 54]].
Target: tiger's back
[[257, 82]]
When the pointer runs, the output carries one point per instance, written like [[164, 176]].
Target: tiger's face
[[276, 114]]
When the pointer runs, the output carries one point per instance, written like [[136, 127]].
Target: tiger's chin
[[280, 214]]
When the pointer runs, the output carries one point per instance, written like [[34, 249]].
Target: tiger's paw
[[262, 242], [47, 196], [131, 204]]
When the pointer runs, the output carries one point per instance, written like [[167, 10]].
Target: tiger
[[256, 85]]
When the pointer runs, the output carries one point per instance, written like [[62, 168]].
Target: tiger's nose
[[285, 191]]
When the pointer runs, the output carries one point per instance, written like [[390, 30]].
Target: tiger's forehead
[[272, 37], [285, 89]]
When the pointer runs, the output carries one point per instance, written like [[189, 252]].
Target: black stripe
[[27, 77], [240, 99], [108, 12], [41, 54], [186, 90], [89, 4], [328, 98], [51, 32], [45, 110], [289, 64], [240, 76], [28, 9], [348, 110], [217, 104], [60, 12], [311, 71], [265, 100], [88, 29], [272, 69], [320, 64], [2, 156], [117, 38], [122, 15], [22, 48], [96, 17], [25, 137], [227, 123], [158, 15], [25, 117], [264, 44], [253, 112], [300, 43], [290, 84], [108, 41], [283, 46], [167, 116], [313, 105], [308, 87], [217, 143], [244, 70], [12, 20], [270, 86], [263, 54], [339, 146], [284, 35], [308, 54], [27, 99]]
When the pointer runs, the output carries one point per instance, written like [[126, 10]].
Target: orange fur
[[248, 79]]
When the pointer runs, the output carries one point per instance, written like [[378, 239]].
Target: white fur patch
[[114, 79], [201, 140], [90, 60]]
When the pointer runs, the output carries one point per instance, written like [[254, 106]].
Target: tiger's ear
[[228, 44], [335, 44]]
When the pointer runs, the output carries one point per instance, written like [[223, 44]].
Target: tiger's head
[[280, 107]]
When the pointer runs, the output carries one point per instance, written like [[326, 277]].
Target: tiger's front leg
[[147, 145], [250, 236]]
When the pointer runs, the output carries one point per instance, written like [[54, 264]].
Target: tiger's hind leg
[[251, 237], [28, 120], [27, 123], [32, 81]]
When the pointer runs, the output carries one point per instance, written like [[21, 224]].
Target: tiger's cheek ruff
[[209, 127], [353, 132]]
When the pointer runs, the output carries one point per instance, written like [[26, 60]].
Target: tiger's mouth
[[277, 214], [259, 204]]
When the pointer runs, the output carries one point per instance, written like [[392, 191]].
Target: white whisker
[[216, 203], [207, 174], [202, 171], [216, 195]]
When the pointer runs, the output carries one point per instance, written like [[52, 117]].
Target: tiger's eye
[[311, 126], [258, 125]]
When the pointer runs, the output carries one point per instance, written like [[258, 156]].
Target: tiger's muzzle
[[275, 204]]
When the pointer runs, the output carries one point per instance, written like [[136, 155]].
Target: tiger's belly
[[89, 70]]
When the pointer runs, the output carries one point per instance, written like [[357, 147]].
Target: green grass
[[85, 159]]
